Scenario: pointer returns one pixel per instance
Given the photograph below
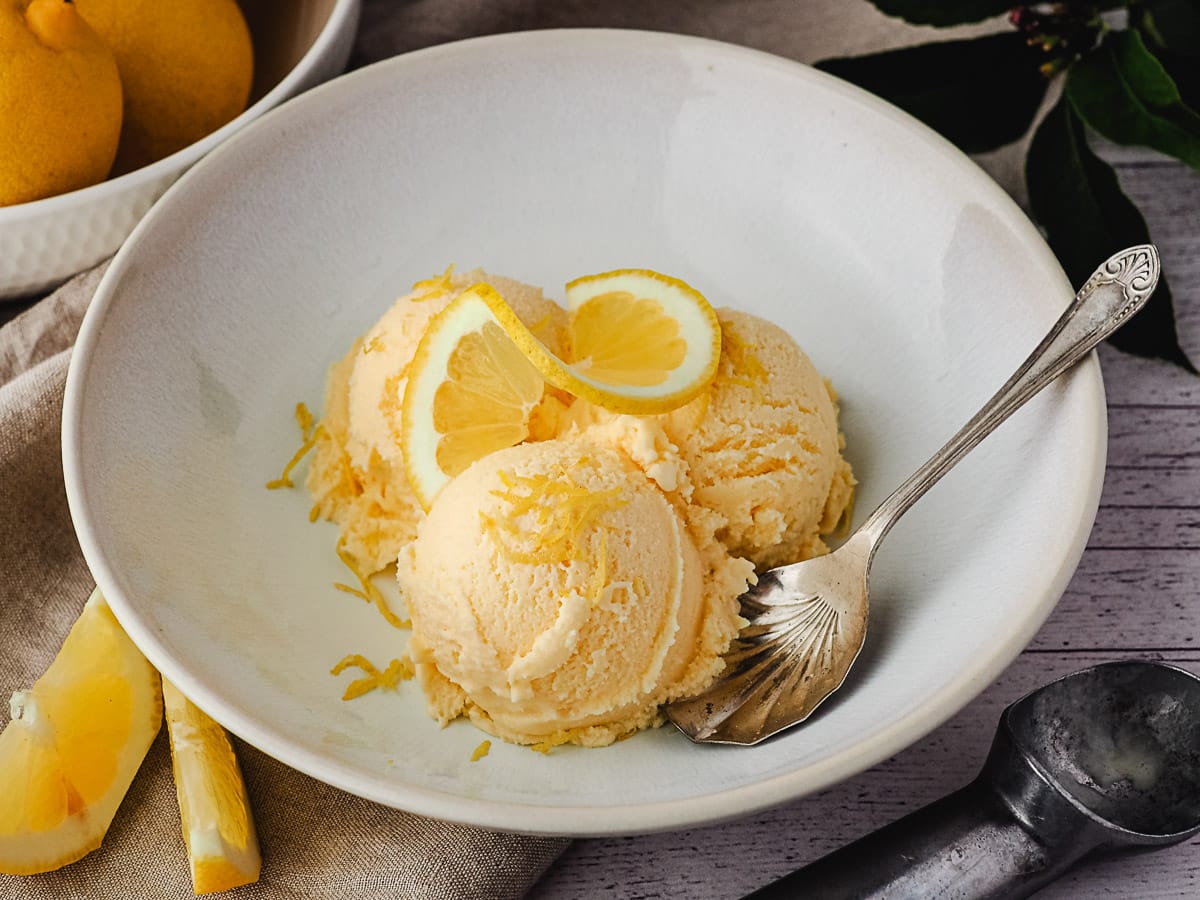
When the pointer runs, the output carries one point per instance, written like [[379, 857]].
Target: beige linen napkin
[[317, 842]]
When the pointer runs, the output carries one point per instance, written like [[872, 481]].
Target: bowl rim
[[186, 156], [625, 819]]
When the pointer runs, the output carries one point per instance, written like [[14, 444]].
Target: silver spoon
[[808, 620], [1105, 759]]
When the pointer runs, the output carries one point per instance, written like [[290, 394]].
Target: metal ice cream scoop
[[1105, 759], [808, 620]]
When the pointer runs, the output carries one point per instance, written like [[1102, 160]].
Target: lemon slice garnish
[[640, 342], [214, 810], [75, 742], [471, 389]]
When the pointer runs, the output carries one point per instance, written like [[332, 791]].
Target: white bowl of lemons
[[114, 101]]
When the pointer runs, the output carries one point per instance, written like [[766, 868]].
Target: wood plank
[[1134, 527], [1160, 436], [1130, 485], [1126, 598], [1129, 379], [732, 859]]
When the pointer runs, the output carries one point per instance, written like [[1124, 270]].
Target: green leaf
[[1171, 29], [1077, 200], [980, 93], [944, 12], [1123, 91], [1169, 24]]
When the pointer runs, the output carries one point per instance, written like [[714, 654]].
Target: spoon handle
[[1116, 290]]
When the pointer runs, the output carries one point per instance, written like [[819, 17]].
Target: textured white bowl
[[43, 243], [911, 278]]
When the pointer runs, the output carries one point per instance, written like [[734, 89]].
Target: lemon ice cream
[[564, 589], [557, 595], [766, 453], [356, 475], [762, 448]]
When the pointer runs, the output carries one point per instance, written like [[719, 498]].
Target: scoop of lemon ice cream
[[557, 595], [766, 453], [356, 475], [761, 448]]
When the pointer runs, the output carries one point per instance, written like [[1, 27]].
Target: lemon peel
[[367, 590], [434, 286], [547, 746], [310, 436], [387, 679], [562, 512]]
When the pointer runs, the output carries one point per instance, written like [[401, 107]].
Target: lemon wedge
[[215, 812], [74, 744], [640, 342]]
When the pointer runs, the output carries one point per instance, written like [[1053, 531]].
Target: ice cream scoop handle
[[967, 846], [1116, 290]]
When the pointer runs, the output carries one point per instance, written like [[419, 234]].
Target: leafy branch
[[1135, 85]]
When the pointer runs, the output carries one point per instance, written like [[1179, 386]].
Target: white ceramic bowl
[[296, 45], [913, 281]]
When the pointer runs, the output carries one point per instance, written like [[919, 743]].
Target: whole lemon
[[60, 101], [186, 66]]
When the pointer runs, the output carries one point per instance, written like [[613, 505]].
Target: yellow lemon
[[186, 67], [640, 342], [76, 739], [60, 101], [471, 390], [214, 810]]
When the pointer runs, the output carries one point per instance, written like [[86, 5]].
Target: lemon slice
[[640, 342], [215, 811], [76, 739], [471, 389]]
